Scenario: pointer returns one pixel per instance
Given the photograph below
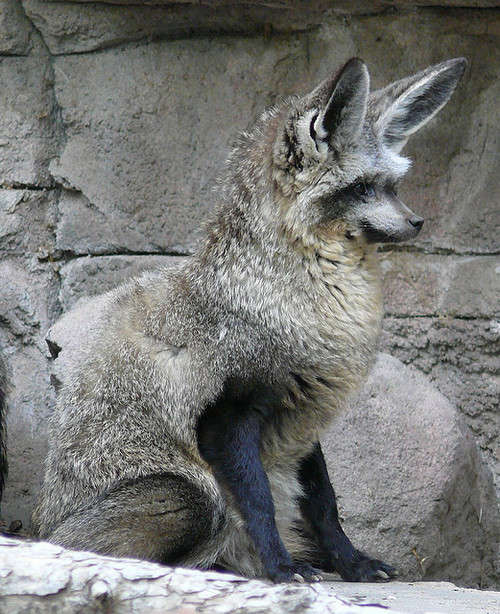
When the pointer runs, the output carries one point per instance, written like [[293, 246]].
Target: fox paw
[[297, 572], [366, 569]]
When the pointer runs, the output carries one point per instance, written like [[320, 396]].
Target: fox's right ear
[[404, 106], [342, 106]]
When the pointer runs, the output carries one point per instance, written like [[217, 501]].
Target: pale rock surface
[[42, 577]]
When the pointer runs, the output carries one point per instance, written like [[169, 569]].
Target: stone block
[[411, 484], [15, 29], [88, 276], [84, 26], [417, 284], [29, 404], [26, 310], [29, 295], [27, 222], [80, 28], [27, 134], [147, 129]]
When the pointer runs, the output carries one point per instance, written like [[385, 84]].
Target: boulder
[[412, 487]]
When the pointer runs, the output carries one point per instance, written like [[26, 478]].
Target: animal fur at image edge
[[3, 430], [188, 433]]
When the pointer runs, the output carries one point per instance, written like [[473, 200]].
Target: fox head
[[336, 160]]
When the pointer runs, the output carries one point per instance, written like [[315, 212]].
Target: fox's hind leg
[[163, 518], [319, 510]]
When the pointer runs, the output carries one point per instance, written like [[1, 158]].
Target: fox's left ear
[[342, 110], [403, 107]]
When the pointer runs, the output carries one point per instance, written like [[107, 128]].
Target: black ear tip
[[355, 64], [356, 70], [458, 65], [355, 61], [462, 62]]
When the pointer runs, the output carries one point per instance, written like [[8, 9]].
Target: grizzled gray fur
[[188, 433]]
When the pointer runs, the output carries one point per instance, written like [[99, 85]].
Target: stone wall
[[116, 118]]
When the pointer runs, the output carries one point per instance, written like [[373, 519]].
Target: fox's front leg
[[229, 441], [319, 510]]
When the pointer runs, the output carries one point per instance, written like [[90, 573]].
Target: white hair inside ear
[[404, 106], [312, 142]]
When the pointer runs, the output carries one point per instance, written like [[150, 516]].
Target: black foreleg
[[320, 513], [229, 438]]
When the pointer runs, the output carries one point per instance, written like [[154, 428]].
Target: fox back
[[188, 432]]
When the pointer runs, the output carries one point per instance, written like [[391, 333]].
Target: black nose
[[416, 222]]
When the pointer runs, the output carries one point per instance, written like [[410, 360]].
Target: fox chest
[[345, 323]]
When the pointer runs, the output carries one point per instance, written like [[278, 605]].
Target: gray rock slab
[[27, 222], [15, 29], [79, 28], [89, 276], [29, 401], [418, 284], [27, 307], [28, 298], [421, 597], [412, 487], [27, 135], [84, 26], [147, 130]]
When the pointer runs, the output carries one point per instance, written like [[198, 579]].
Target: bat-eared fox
[[188, 432]]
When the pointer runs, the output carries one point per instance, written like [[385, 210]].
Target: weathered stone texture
[[72, 27], [27, 133], [441, 286], [27, 222], [15, 30], [85, 277], [148, 128], [26, 310]]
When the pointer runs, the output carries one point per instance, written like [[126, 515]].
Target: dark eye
[[364, 189]]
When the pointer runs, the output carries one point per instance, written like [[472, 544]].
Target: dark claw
[[370, 570]]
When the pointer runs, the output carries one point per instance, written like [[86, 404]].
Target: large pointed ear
[[342, 113], [403, 107]]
